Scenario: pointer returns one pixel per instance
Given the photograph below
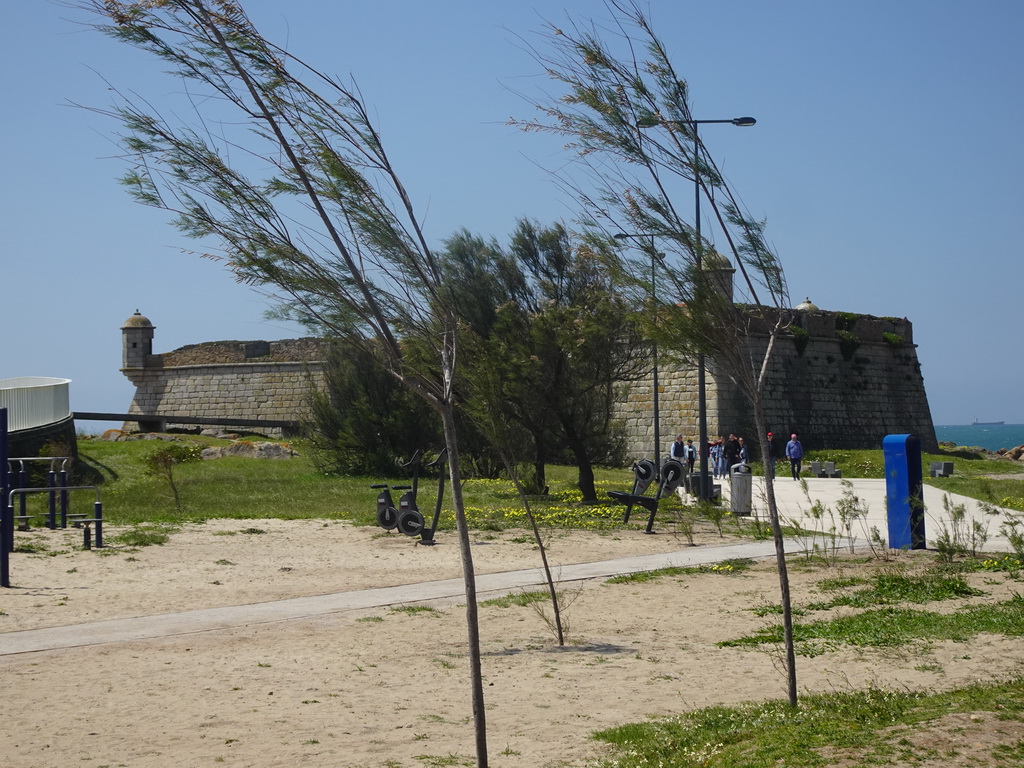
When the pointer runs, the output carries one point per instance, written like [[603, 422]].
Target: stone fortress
[[841, 380], [267, 381]]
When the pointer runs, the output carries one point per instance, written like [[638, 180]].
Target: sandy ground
[[386, 688]]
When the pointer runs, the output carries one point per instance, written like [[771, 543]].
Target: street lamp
[[654, 347], [704, 486]]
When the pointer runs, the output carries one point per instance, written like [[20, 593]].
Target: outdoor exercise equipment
[[56, 482], [6, 520], [387, 512], [643, 474], [410, 520], [406, 515], [671, 475]]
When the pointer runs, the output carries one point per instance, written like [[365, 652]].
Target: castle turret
[[720, 272], [136, 341]]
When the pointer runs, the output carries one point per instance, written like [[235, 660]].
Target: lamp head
[[743, 121]]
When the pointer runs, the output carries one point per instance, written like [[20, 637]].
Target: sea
[[990, 436]]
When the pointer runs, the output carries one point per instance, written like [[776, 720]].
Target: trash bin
[[741, 490]]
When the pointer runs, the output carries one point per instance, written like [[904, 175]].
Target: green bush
[[893, 339], [849, 343], [800, 339]]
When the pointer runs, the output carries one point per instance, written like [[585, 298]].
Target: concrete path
[[794, 505], [792, 500], [449, 591]]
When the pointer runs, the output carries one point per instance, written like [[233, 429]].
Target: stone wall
[[265, 380], [849, 381], [841, 380], [214, 352]]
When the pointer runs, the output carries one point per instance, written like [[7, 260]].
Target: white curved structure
[[34, 401]]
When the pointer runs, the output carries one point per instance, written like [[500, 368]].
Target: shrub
[[893, 339], [848, 344], [800, 339]]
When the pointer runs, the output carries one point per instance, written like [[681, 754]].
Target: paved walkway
[[446, 591], [792, 501], [794, 505]]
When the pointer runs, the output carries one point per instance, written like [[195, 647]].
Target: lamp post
[[704, 485], [654, 348]]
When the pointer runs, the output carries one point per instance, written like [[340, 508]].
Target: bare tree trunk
[[584, 467], [780, 557], [552, 591], [469, 577]]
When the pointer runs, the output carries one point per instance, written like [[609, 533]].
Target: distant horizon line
[[982, 424]]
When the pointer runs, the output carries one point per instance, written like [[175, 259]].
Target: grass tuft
[[867, 726]]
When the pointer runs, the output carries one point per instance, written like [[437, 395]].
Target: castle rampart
[[841, 380], [259, 380]]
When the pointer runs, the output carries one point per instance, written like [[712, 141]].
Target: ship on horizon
[[977, 423]]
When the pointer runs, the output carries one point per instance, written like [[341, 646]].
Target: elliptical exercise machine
[[406, 516]]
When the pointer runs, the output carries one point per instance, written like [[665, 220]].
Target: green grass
[[517, 599], [891, 627], [230, 487], [894, 586], [242, 488], [870, 727], [1002, 491], [144, 535], [725, 568], [883, 621], [414, 609]]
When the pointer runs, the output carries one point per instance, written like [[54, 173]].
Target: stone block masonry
[[840, 380], [264, 391], [267, 381]]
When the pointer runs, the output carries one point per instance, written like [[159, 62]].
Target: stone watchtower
[[136, 342], [226, 384], [720, 272]]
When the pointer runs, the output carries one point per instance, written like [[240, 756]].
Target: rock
[[251, 451], [273, 451]]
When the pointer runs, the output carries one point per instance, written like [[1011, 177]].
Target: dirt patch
[[384, 688]]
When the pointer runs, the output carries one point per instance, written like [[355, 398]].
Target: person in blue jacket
[[795, 454]]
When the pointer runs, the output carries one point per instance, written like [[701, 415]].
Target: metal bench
[[940, 468]]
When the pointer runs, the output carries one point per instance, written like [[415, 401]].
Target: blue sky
[[886, 160]]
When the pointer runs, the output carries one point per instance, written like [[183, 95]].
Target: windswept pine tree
[[296, 190], [625, 112]]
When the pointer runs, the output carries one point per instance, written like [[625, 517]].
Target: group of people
[[726, 453]]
